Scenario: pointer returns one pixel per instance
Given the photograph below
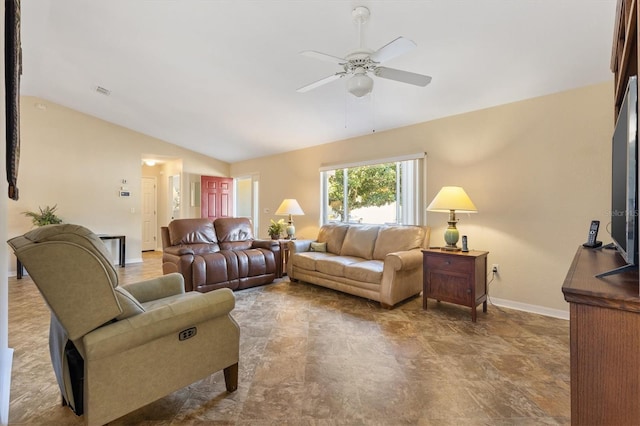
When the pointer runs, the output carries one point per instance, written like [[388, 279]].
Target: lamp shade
[[452, 198], [289, 207]]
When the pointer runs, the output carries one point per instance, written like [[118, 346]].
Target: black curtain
[[12, 71]]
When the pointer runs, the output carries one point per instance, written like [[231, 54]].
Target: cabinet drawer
[[450, 263]]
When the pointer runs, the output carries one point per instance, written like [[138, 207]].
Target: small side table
[[122, 246], [284, 252], [455, 277]]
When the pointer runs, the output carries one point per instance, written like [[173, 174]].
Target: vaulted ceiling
[[220, 76]]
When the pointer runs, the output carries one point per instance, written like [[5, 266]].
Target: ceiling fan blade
[[323, 57], [403, 76], [392, 49], [320, 82]]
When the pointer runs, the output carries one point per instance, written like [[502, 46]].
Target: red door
[[216, 197]]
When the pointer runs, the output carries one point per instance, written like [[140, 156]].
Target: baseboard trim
[[5, 384], [534, 309]]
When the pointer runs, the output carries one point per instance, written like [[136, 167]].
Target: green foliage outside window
[[367, 186]]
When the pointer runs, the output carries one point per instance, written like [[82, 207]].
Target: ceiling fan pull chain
[[345, 108]]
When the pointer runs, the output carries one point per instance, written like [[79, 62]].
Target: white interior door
[[149, 217]]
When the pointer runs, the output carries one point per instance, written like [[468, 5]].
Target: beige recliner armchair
[[117, 348]]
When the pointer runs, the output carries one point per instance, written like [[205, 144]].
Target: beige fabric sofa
[[379, 262], [117, 348]]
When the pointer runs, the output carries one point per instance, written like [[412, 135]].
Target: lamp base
[[291, 232], [451, 235]]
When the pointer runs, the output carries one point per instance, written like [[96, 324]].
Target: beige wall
[[78, 162], [538, 171]]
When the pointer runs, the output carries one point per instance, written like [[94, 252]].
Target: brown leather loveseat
[[222, 253]]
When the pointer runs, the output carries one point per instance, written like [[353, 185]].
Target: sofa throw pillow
[[129, 305], [321, 247]]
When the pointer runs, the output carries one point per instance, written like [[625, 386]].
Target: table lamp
[[451, 199], [290, 207]]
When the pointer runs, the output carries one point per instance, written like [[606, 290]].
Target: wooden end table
[[284, 252], [455, 277]]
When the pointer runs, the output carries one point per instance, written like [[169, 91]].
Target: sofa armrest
[[401, 276], [404, 260], [178, 250], [273, 245], [194, 309], [164, 234], [299, 246], [156, 288]]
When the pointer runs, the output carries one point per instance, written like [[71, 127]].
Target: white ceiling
[[220, 77]]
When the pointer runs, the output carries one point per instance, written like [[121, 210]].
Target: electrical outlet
[[494, 268]]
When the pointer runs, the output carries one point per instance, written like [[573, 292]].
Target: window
[[383, 191]]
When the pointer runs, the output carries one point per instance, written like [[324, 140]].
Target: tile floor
[[313, 356]]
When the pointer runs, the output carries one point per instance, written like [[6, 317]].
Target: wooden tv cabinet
[[605, 340]]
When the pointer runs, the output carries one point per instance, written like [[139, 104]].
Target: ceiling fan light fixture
[[360, 85], [362, 61]]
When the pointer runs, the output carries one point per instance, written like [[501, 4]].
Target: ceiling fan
[[362, 61]]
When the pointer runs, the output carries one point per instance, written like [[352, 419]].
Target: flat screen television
[[624, 180]]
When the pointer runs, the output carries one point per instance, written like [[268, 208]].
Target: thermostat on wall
[[124, 193]]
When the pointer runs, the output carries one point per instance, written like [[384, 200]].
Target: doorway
[[216, 198], [149, 214], [246, 199]]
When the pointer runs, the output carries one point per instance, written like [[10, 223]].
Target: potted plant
[[276, 228], [46, 216]]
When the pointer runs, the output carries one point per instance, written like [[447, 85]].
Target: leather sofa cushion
[[236, 245], [233, 229], [307, 260], [359, 241], [369, 271], [397, 238], [202, 248], [335, 265], [253, 262], [333, 234], [228, 265], [192, 231], [219, 267]]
